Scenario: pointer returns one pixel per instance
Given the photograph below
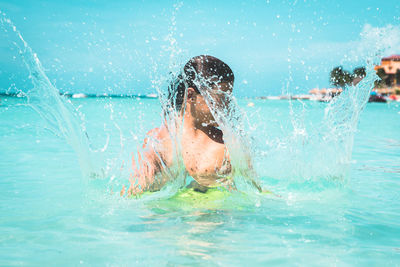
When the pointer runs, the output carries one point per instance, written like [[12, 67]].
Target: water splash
[[45, 99], [315, 157], [174, 176], [232, 120], [319, 154]]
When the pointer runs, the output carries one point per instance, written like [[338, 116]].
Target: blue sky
[[126, 46]]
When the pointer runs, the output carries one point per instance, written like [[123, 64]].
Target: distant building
[[389, 70]]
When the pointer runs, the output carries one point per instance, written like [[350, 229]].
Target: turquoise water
[[51, 214]]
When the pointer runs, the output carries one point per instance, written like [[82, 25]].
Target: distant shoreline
[[81, 95], [153, 96], [310, 97]]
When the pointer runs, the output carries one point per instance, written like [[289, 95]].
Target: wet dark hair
[[209, 69]]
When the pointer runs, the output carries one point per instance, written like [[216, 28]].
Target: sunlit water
[[49, 216]]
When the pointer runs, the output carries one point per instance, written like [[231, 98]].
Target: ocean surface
[[336, 198]]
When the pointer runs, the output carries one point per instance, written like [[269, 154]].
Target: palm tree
[[340, 77]]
